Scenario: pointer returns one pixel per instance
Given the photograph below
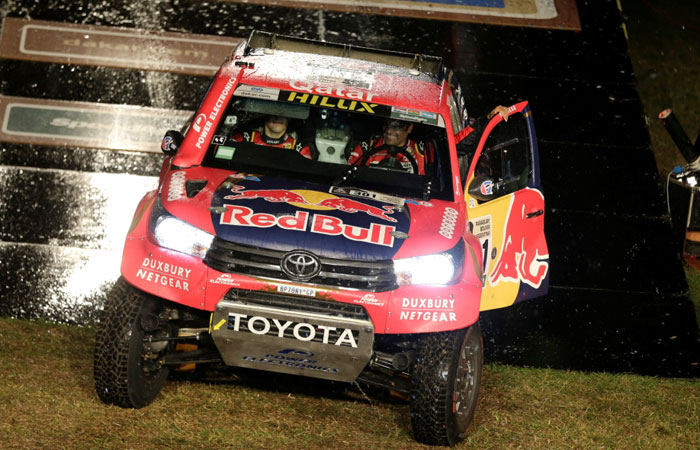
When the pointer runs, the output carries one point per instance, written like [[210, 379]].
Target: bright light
[[177, 235], [438, 269]]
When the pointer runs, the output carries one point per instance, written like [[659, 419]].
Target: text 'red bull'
[[377, 234], [524, 247]]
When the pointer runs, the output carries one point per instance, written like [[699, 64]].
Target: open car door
[[506, 210]]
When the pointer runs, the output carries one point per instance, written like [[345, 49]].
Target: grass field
[[48, 401]]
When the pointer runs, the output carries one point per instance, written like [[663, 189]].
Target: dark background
[[618, 298]]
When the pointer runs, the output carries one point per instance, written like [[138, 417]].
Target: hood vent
[[193, 187]]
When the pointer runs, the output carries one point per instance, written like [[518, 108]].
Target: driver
[[274, 134], [395, 134]]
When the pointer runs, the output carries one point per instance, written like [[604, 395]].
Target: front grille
[[302, 304], [373, 276]]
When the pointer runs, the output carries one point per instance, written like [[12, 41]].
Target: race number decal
[[481, 228]]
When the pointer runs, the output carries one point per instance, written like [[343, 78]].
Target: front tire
[[126, 369], [445, 383]]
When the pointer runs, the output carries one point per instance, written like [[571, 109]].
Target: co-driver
[[274, 134]]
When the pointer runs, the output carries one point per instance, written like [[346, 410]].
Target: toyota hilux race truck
[[279, 255]]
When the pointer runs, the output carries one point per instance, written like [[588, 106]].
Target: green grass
[[48, 401]]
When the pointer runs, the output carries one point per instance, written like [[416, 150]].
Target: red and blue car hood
[[285, 214]]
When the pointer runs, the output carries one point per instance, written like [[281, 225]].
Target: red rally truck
[[273, 252]]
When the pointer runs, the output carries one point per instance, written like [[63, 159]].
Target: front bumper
[[187, 280]]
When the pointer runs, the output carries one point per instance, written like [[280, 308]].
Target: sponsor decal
[[330, 102], [166, 144], [296, 290], [449, 221], [176, 189], [198, 122], [341, 104], [164, 274], [369, 299], [414, 115], [244, 216], [270, 195], [524, 254], [486, 187], [301, 331], [218, 140], [351, 206], [481, 228], [337, 91], [428, 309], [225, 279], [297, 359], [377, 234], [292, 351], [263, 93], [316, 200], [371, 195], [203, 123]]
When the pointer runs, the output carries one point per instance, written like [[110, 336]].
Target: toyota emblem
[[300, 266]]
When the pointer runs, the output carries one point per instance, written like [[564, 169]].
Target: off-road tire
[[447, 368], [118, 365]]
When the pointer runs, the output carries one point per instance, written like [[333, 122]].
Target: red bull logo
[[243, 216], [352, 206], [270, 195], [524, 245], [313, 200]]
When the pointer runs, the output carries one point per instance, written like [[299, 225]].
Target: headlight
[[171, 232], [437, 269]]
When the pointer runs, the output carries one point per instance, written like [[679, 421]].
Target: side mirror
[[481, 188], [171, 142]]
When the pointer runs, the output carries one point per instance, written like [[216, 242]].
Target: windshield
[[333, 141]]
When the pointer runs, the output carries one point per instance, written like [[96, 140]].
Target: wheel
[[445, 382], [391, 162], [126, 368]]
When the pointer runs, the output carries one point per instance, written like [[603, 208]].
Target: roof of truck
[[355, 73]]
